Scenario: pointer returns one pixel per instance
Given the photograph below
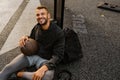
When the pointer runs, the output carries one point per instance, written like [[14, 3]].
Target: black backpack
[[73, 52], [73, 49]]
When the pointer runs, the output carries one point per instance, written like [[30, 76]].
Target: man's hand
[[40, 73], [22, 41]]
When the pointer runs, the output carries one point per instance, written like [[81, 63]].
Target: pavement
[[98, 31]]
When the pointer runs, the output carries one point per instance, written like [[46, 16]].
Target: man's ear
[[49, 16]]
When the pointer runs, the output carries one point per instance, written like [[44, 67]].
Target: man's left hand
[[40, 73]]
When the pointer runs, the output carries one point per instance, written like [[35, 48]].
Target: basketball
[[30, 47]]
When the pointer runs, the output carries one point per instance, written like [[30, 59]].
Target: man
[[50, 53]]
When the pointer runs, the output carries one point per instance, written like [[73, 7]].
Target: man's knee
[[49, 75], [9, 67]]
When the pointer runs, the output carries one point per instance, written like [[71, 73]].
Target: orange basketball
[[30, 47]]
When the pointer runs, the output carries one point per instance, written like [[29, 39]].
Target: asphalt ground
[[99, 38]]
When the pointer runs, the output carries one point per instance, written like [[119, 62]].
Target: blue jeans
[[35, 60]]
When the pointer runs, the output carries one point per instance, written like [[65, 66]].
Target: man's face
[[42, 16]]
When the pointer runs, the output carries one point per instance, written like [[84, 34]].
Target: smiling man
[[51, 50]]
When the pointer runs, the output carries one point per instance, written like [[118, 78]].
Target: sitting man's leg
[[16, 64], [49, 75], [38, 61]]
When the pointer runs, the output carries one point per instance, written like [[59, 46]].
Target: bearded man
[[51, 50]]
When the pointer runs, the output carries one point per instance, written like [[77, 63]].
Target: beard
[[42, 21]]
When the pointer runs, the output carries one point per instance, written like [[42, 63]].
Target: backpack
[[73, 49], [73, 52]]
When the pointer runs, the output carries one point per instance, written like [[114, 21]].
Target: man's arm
[[58, 51], [40, 73]]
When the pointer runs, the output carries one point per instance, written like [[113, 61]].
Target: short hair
[[42, 7]]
